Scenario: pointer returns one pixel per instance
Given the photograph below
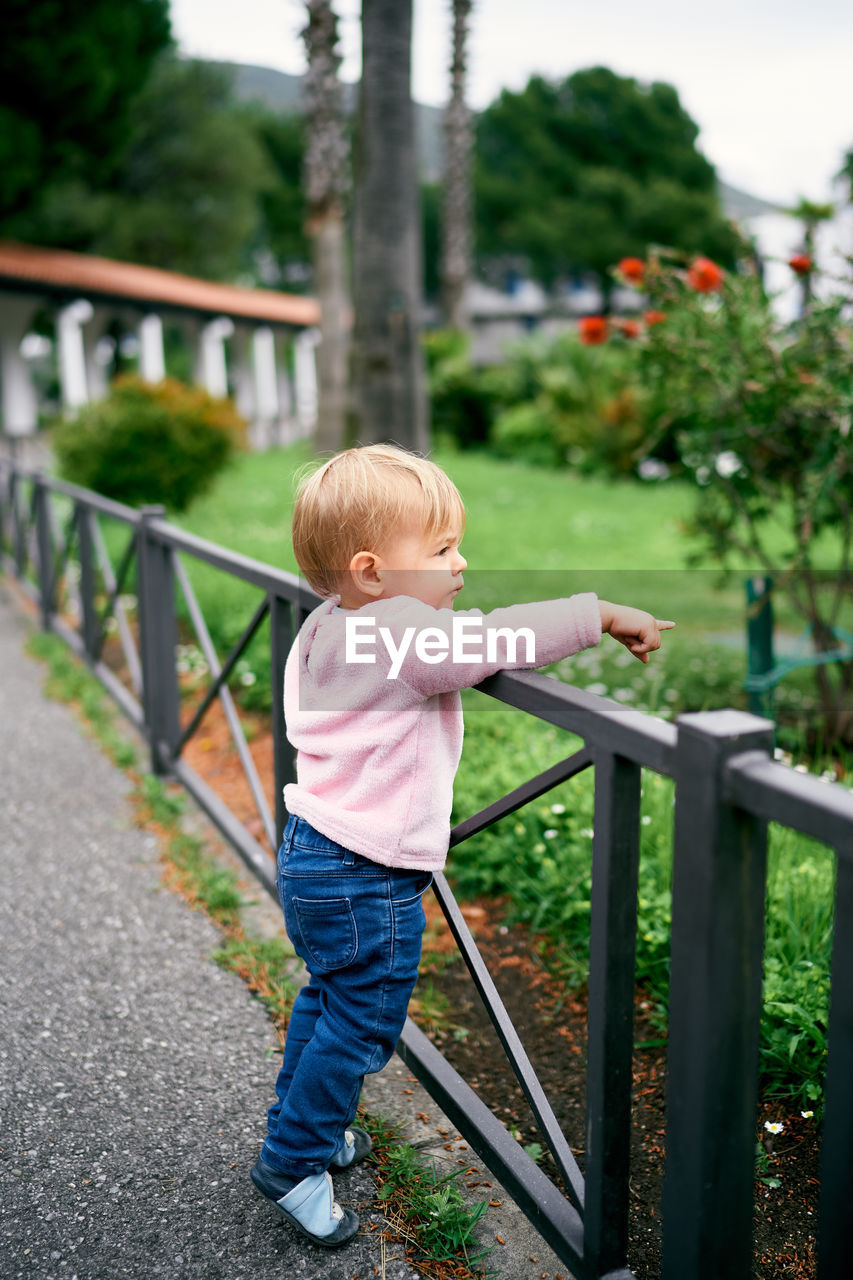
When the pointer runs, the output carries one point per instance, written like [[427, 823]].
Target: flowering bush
[[579, 404], [592, 330], [704, 276], [761, 416], [801, 263]]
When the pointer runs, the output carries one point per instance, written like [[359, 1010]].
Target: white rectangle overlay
[[462, 643]]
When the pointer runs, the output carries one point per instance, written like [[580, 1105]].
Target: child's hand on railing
[[637, 630]]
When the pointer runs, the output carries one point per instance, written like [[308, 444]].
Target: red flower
[[629, 328], [801, 263], [704, 276], [592, 330], [653, 317], [633, 270]]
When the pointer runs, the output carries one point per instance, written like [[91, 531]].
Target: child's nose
[[461, 562]]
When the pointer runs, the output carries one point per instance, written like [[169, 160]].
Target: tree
[[761, 417], [185, 195], [572, 176], [327, 174], [282, 232], [458, 137], [388, 365], [70, 72], [810, 215]]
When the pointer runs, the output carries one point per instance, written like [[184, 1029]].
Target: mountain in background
[[281, 92]]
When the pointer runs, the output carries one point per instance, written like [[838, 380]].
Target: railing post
[[281, 638], [86, 549], [158, 637], [612, 956], [835, 1233], [19, 530], [759, 634], [44, 542], [715, 1005]]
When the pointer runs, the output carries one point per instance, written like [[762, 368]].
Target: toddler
[[373, 709]]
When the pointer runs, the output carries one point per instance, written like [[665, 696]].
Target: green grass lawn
[[518, 517], [530, 533]]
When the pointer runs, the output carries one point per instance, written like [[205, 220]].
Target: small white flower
[[588, 832], [646, 820], [773, 1126], [248, 678], [727, 463], [550, 833], [652, 469], [807, 1115], [598, 688], [558, 808]]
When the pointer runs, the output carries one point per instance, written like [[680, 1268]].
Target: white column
[[152, 362], [20, 403], [242, 378], [214, 369], [99, 348], [305, 377], [72, 352], [266, 380], [284, 389]]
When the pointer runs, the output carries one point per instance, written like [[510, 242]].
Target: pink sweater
[[378, 742]]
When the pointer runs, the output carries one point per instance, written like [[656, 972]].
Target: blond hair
[[356, 500]]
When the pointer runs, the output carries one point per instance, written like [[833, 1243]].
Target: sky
[[768, 82]]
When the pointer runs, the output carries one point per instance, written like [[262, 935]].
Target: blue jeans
[[357, 925]]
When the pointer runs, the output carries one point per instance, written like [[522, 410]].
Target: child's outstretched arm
[[637, 630]]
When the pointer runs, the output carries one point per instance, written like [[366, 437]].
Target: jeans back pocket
[[323, 931]]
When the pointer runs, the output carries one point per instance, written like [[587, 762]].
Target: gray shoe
[[310, 1205], [356, 1145]]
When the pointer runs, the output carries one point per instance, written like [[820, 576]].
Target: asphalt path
[[134, 1072]]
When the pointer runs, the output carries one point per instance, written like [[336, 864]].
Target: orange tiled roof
[[80, 274]]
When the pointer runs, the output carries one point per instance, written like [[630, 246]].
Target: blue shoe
[[310, 1205], [356, 1145]]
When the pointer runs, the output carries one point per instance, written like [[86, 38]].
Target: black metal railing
[[727, 788]]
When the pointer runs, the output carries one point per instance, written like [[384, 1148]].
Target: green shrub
[[464, 399], [149, 443], [577, 405], [530, 433]]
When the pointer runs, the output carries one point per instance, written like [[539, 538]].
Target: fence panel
[[727, 789]]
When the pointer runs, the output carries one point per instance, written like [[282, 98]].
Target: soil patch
[[552, 1026]]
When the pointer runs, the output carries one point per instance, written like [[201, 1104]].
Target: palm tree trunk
[[456, 225], [389, 381], [326, 178]]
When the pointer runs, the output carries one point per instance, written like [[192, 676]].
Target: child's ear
[[364, 570]]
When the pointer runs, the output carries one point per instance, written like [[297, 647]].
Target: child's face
[[427, 567]]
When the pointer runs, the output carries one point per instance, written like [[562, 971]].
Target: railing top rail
[[85, 497], [599, 721], [770, 790], [279, 582]]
